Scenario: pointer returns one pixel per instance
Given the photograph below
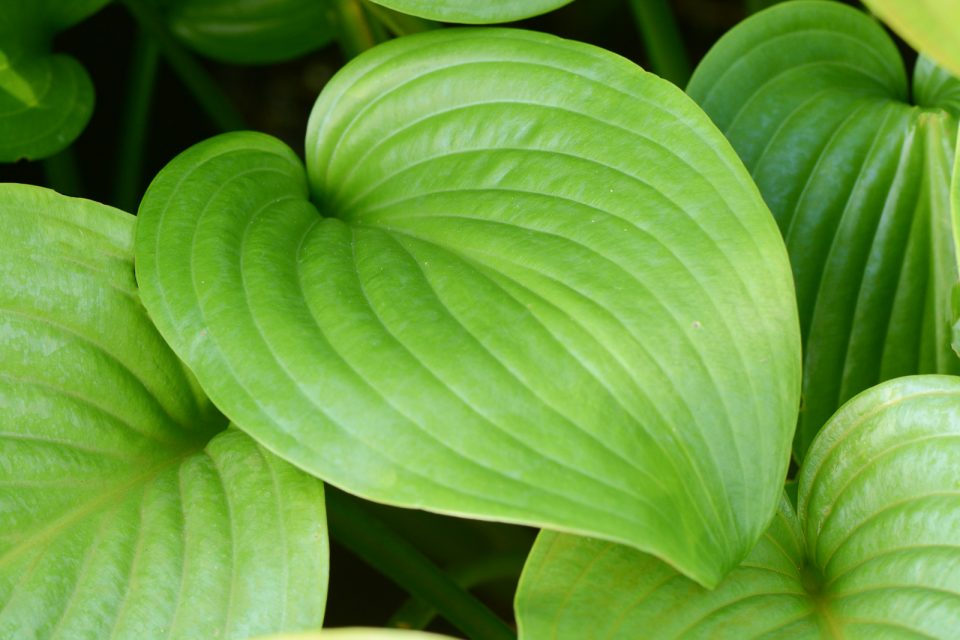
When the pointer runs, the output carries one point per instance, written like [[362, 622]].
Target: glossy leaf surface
[[473, 12], [550, 295], [46, 99], [930, 26], [814, 98], [252, 31], [126, 507], [874, 552]]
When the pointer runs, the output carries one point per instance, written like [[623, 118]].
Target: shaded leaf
[[472, 12], [814, 98], [873, 553], [550, 295], [126, 508], [252, 31], [46, 99]]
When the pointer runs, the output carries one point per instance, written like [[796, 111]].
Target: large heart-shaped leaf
[[550, 295], [126, 508], [930, 26], [45, 99], [875, 552], [252, 31], [473, 11], [814, 97]]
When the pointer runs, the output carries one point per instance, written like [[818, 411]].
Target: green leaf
[[814, 98], [873, 553], [358, 633], [126, 507], [473, 12], [46, 99], [252, 31], [550, 295], [931, 26]]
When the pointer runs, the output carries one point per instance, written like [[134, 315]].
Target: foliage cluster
[[702, 337]]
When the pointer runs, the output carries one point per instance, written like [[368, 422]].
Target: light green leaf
[[814, 98], [126, 508], [473, 11], [252, 31], [46, 99], [550, 295], [873, 554], [930, 26]]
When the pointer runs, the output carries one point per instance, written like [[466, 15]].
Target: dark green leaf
[[252, 31], [45, 99], [473, 12]]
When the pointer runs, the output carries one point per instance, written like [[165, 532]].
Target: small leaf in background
[[46, 99], [252, 31], [874, 552], [815, 99], [929, 26], [473, 12], [550, 295], [127, 508]]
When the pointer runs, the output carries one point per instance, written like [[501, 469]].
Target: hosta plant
[[517, 279]]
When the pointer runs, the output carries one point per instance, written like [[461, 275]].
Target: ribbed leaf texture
[[874, 552], [127, 509], [473, 12], [46, 99], [252, 31], [545, 291], [814, 98]]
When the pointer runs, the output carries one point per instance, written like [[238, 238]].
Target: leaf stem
[[661, 38], [417, 614], [140, 86], [354, 30], [213, 101], [399, 24], [366, 535]]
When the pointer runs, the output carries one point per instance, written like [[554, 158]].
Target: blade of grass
[[662, 41], [213, 101], [133, 130], [356, 528]]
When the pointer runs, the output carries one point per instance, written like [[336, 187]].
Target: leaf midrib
[[105, 499]]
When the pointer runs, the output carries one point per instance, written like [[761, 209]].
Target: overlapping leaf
[[545, 292], [252, 31], [472, 11], [930, 26], [45, 99], [126, 509], [875, 552], [814, 97]]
